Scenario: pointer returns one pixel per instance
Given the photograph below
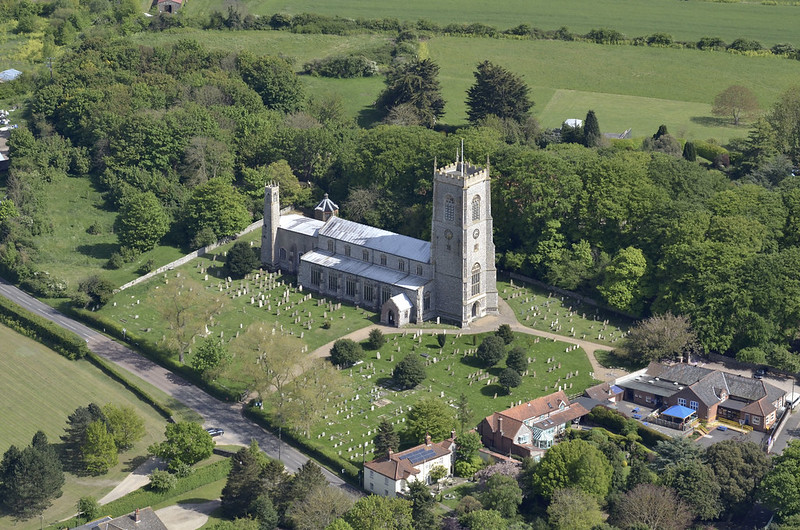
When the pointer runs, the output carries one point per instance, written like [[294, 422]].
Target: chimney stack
[[390, 453], [453, 434], [427, 439]]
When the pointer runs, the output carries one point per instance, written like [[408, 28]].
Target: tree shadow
[[133, 463], [491, 390], [368, 116], [472, 361], [98, 250], [713, 121]]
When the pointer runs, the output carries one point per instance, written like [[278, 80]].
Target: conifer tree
[[690, 152], [591, 131], [30, 478], [386, 438], [497, 92], [74, 436], [415, 84]]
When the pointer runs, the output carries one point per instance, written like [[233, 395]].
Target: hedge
[[709, 151], [329, 460], [615, 421], [42, 330]]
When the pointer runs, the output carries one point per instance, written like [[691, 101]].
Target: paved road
[[238, 430]]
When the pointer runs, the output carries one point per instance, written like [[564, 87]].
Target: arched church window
[[476, 279], [476, 208], [283, 253], [449, 209]]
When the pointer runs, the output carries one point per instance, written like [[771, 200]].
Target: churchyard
[[451, 370], [562, 315]]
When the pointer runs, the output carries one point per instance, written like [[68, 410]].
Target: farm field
[[683, 20], [451, 370], [40, 389], [562, 315]]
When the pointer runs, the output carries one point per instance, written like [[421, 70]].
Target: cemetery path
[[486, 324], [227, 416]]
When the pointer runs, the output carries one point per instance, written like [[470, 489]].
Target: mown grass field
[[451, 370], [683, 20], [40, 389]]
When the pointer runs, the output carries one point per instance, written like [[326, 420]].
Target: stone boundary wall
[[190, 256]]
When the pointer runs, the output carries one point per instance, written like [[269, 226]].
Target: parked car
[[759, 374], [215, 431]]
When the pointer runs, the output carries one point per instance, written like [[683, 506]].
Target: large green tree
[[739, 468], [74, 436], [660, 337], [621, 286], [30, 478], [99, 450], [572, 509], [573, 464], [497, 92], [491, 350], [422, 504], [245, 481], [386, 438], [380, 513], [274, 80], [346, 352], [780, 488], [216, 206], [651, 506], [124, 424], [591, 131], [414, 85], [737, 102], [696, 484], [241, 259], [430, 416], [409, 372], [141, 222], [502, 494], [186, 443]]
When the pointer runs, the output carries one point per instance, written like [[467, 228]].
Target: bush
[[342, 67], [162, 481], [88, 508], [745, 45], [605, 36], [98, 289], [466, 469], [32, 325], [409, 372], [204, 237], [241, 260], [505, 333], [376, 339], [115, 261], [492, 350], [708, 151], [147, 266], [659, 39], [346, 352]]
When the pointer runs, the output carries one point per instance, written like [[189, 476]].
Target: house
[[144, 519], [710, 393], [604, 393], [389, 476], [451, 277], [531, 428], [169, 6]]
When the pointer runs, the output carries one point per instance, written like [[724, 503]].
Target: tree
[[409, 372], [505, 333], [437, 474], [99, 290], [739, 467], [211, 358], [660, 337], [780, 489], [491, 351], [662, 131], [264, 512], [88, 508], [509, 378], [591, 131], [651, 506], [217, 206], [690, 152], [735, 101], [141, 222], [346, 352], [572, 464], [674, 451], [161, 480], [245, 481], [696, 484], [274, 80], [414, 85], [241, 259], [441, 339], [502, 494], [463, 411], [186, 443], [386, 438], [380, 513], [99, 451], [422, 505], [467, 445], [498, 92], [481, 519], [124, 424], [572, 509], [321, 506], [430, 416], [74, 436], [621, 284], [30, 478], [517, 359], [376, 339]]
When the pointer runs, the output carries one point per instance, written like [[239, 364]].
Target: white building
[[390, 475]]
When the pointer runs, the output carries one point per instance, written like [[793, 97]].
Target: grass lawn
[[546, 311], [451, 370], [452, 496], [40, 389], [683, 20]]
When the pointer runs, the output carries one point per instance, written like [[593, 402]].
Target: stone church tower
[[462, 247], [272, 220]]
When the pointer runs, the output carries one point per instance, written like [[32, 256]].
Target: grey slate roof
[[377, 239], [300, 224], [364, 269]]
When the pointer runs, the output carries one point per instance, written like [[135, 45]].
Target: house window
[[350, 286], [330, 245], [756, 420], [476, 279], [365, 255], [449, 209], [476, 208], [386, 481], [347, 250], [369, 293], [385, 295], [401, 265], [682, 402], [383, 259], [333, 282], [283, 253], [419, 270], [647, 399], [694, 405], [316, 277], [426, 301]]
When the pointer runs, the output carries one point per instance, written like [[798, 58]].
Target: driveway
[[187, 516]]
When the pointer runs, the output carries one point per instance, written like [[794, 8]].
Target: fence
[[190, 256]]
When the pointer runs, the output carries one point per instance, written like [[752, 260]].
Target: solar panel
[[421, 455]]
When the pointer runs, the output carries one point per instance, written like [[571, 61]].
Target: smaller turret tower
[[272, 220]]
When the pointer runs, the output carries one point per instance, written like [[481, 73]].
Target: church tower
[[462, 247], [272, 220]]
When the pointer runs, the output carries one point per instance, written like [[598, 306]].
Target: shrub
[[162, 481], [204, 237], [659, 39], [409, 372], [441, 339], [376, 339], [342, 67], [98, 289], [346, 352], [505, 333], [115, 261], [492, 350], [711, 43], [708, 151], [745, 45], [605, 36]]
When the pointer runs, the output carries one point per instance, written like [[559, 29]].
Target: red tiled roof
[[537, 407], [396, 466]]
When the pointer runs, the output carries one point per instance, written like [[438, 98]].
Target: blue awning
[[616, 389], [678, 411]]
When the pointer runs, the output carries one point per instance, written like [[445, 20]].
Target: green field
[[40, 389], [683, 20], [562, 315], [451, 370]]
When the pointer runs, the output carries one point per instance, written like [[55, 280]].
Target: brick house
[[531, 428], [604, 393], [390, 475], [712, 393]]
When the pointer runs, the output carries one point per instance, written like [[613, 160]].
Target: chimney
[[500, 425], [136, 518], [453, 434], [390, 453], [427, 439]]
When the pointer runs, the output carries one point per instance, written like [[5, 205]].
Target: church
[[452, 277]]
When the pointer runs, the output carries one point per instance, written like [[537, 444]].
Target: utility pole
[[50, 66]]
